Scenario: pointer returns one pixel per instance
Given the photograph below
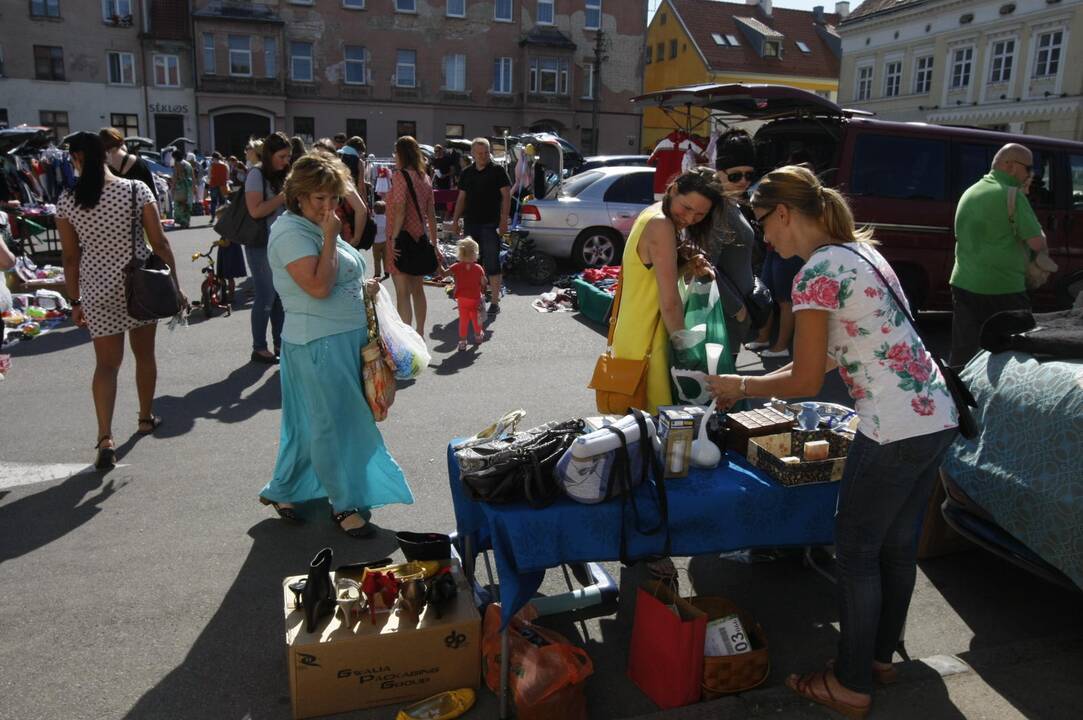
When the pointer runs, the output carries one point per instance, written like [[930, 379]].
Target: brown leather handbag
[[621, 383]]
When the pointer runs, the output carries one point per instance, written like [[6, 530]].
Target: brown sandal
[[804, 686], [881, 675]]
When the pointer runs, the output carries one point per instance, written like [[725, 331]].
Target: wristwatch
[[76, 302], [744, 385]]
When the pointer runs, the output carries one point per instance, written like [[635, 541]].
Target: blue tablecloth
[[732, 507]]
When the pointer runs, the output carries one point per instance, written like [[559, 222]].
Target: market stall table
[[732, 507]]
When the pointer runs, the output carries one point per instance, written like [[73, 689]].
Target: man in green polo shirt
[[991, 252]]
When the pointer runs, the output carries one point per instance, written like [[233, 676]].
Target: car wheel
[[596, 247]]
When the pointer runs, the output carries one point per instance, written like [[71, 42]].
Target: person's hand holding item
[[372, 287], [726, 389], [684, 344], [701, 267], [78, 317]]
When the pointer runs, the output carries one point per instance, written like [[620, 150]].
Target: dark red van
[[904, 179]]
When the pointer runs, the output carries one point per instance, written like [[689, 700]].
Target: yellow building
[[704, 41]]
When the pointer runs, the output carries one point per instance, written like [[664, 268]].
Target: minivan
[[903, 179]]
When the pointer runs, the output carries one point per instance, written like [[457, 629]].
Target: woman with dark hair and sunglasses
[[666, 242], [733, 240], [266, 201], [95, 221]]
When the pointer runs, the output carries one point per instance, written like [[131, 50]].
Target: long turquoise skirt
[[329, 446]]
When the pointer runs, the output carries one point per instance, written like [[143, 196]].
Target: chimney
[[765, 4], [842, 9], [818, 14]]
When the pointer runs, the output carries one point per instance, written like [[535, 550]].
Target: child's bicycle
[[522, 259], [213, 292]]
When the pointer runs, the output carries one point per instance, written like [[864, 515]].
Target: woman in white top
[[846, 318]]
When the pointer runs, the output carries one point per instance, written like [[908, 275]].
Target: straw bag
[[724, 674], [377, 368], [620, 384]]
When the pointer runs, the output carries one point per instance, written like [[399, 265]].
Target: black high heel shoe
[[318, 597]]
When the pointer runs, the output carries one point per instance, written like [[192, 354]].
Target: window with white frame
[[923, 74], [502, 11], [114, 10], [592, 16], [892, 78], [406, 68], [126, 123], [962, 61], [1000, 68], [732, 40], [354, 4], [167, 71], [121, 68], [863, 91], [502, 75], [1047, 60], [209, 64], [456, 8], [545, 12], [455, 73], [588, 81], [356, 58], [240, 55], [270, 56], [549, 75], [803, 46], [409, 6], [301, 61]]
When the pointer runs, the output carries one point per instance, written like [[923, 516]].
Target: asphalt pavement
[[153, 591]]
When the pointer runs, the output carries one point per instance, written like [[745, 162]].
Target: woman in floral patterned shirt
[[846, 319]]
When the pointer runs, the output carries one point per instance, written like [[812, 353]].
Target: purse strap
[[615, 310], [948, 374], [649, 469], [135, 223], [413, 196]]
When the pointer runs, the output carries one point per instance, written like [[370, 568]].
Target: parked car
[[597, 161], [589, 217], [904, 179]]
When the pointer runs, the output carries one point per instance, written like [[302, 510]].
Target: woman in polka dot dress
[[95, 225]]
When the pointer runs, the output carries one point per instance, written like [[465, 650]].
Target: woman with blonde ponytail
[[846, 318]]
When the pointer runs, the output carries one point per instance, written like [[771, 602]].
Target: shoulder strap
[[413, 195], [903, 307], [135, 221]]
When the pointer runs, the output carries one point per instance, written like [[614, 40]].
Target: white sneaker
[[775, 353], [757, 346]]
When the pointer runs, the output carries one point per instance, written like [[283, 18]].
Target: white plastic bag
[[406, 347]]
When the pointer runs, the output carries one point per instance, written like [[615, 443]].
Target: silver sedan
[[589, 220]]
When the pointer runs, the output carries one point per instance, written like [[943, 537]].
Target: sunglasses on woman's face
[[736, 177]]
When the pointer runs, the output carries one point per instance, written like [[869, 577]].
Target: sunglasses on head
[[738, 176]]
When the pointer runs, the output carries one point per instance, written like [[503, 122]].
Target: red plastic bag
[[666, 657], [546, 672]]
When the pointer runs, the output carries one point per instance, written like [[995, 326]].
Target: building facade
[[704, 41], [83, 64], [428, 68], [997, 64]]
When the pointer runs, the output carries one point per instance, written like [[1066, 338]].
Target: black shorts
[[488, 240]]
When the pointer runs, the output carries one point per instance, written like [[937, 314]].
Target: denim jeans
[[266, 305], [216, 200], [883, 492]]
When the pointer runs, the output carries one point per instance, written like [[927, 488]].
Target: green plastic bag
[[704, 316]]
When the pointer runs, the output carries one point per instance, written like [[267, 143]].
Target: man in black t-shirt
[[447, 167], [483, 204]]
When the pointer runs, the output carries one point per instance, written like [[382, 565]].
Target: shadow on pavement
[[1000, 603], [221, 401], [37, 520], [237, 666]]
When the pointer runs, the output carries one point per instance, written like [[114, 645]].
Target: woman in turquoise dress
[[329, 445], [183, 182]]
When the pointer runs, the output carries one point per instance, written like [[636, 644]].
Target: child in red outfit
[[469, 280]]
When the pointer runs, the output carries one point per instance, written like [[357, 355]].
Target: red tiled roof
[[703, 17]]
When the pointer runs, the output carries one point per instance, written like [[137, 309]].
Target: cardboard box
[[698, 413], [337, 669], [675, 441]]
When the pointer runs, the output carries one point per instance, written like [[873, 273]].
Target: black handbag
[[417, 256], [518, 467], [758, 304], [368, 235], [236, 225], [149, 290], [960, 393]]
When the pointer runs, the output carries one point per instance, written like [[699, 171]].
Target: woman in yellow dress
[[651, 314]]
